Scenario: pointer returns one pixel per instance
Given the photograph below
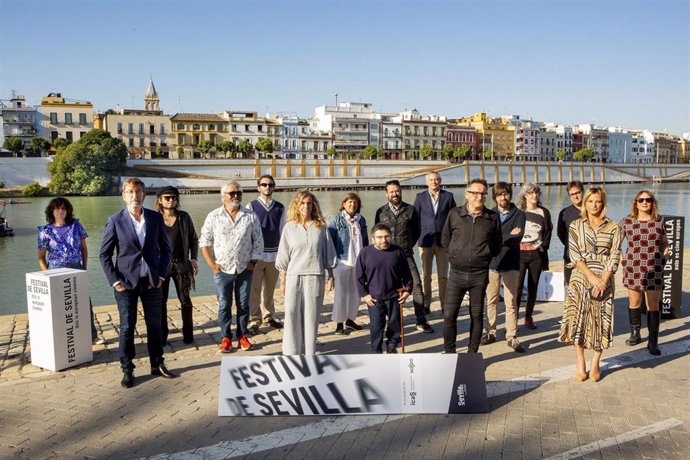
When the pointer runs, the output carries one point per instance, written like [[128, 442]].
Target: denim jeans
[[240, 285], [460, 282], [127, 306], [381, 310]]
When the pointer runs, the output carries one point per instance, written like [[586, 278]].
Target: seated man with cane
[[381, 272]]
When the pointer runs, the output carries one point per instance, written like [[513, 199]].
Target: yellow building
[[64, 118], [494, 135], [190, 129], [684, 149], [248, 126]]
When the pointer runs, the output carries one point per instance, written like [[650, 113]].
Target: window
[[196, 127], [130, 128], [131, 142], [69, 137], [246, 128], [141, 142], [119, 128], [141, 128], [82, 118], [162, 130], [316, 145], [234, 127], [152, 128], [68, 118], [53, 136], [180, 126], [261, 128], [211, 127], [82, 134]]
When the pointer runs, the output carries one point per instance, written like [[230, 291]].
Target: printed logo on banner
[[469, 385], [671, 296]]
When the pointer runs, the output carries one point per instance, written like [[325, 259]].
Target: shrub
[[32, 189]]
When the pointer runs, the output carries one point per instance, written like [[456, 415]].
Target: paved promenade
[[640, 409]]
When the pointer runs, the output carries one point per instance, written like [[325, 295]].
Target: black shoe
[[162, 371], [274, 323], [392, 350], [352, 325], [488, 339], [127, 379], [427, 310], [517, 347], [339, 329], [253, 330], [188, 341], [425, 327]]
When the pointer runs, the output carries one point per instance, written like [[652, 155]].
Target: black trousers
[[417, 293], [459, 283], [182, 288], [530, 267]]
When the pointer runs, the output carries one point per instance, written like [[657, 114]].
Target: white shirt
[[140, 230]]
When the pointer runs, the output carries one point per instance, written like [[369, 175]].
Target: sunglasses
[[266, 184], [237, 194], [645, 200], [169, 198]]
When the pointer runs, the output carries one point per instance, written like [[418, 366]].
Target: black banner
[[671, 299]]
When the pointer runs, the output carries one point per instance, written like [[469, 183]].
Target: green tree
[[461, 152], [89, 166], [331, 151], [180, 151], [245, 147], [585, 154], [32, 189], [409, 154], [264, 145], [159, 152], [13, 144], [489, 154], [447, 151], [60, 142], [560, 154], [371, 151], [38, 144], [204, 147], [426, 151], [226, 146]]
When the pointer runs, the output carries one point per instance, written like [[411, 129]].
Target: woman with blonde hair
[[643, 266], [304, 254], [348, 230], [594, 243]]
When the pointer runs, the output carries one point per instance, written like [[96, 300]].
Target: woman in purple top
[[62, 243]]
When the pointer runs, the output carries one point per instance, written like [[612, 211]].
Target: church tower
[[151, 101]]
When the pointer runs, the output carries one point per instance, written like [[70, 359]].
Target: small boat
[[5, 229]]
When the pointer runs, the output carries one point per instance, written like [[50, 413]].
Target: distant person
[[231, 243], [305, 253], [403, 220], [62, 244], [505, 267], [567, 215], [271, 214], [472, 234], [433, 206], [384, 282], [643, 266], [534, 247], [183, 265], [348, 231], [136, 238], [594, 248]]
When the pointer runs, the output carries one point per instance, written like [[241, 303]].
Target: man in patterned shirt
[[231, 243]]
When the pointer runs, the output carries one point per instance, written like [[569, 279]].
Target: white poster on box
[[551, 287], [59, 318]]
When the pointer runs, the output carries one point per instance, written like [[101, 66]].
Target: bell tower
[[151, 100]]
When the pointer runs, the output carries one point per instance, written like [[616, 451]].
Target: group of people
[[248, 248]]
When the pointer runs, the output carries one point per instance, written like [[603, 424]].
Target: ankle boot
[[653, 328], [635, 316]]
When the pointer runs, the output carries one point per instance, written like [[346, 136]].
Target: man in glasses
[[183, 264], [231, 243], [472, 234], [271, 215], [567, 215]]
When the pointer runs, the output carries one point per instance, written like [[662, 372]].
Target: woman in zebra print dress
[[594, 246]]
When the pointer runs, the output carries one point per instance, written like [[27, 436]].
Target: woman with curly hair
[[643, 266], [304, 254]]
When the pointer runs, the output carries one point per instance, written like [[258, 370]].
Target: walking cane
[[402, 329]]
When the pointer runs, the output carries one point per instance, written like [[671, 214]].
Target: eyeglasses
[[645, 200], [533, 192], [477, 194], [575, 193], [266, 184], [169, 198], [237, 194]]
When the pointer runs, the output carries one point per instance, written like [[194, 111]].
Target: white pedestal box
[[59, 318]]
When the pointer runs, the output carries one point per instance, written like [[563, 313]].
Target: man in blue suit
[[433, 206], [137, 238]]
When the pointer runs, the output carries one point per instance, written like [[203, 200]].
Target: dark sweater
[[565, 218], [381, 272], [509, 257]]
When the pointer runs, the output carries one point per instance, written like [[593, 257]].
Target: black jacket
[[565, 218], [405, 226], [190, 240], [471, 241], [509, 257]]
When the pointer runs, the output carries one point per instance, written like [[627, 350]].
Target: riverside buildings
[[64, 118], [17, 119]]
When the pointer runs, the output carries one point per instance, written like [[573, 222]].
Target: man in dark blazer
[[137, 238], [433, 206]]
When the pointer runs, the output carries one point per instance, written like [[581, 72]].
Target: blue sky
[[615, 63]]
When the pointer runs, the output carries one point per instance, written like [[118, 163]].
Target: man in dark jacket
[[403, 220], [506, 267], [567, 215], [473, 236], [433, 206]]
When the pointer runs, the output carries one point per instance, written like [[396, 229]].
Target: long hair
[[634, 212], [526, 190], [351, 196], [589, 192], [293, 214], [59, 202]]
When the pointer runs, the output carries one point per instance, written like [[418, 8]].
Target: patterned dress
[[588, 322], [63, 244], [643, 266]]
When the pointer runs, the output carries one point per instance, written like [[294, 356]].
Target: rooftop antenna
[[336, 99]]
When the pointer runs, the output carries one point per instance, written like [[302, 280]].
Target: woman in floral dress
[[643, 266], [594, 246]]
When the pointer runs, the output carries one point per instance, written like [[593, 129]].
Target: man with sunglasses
[[271, 215], [183, 264], [231, 243], [567, 215], [472, 233]]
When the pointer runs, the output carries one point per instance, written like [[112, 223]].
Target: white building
[[620, 146], [354, 125], [17, 119], [526, 140], [642, 148]]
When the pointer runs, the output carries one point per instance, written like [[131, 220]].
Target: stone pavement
[[640, 409]]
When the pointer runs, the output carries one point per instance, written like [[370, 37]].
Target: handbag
[[184, 267]]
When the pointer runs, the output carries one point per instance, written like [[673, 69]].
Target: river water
[[18, 254]]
